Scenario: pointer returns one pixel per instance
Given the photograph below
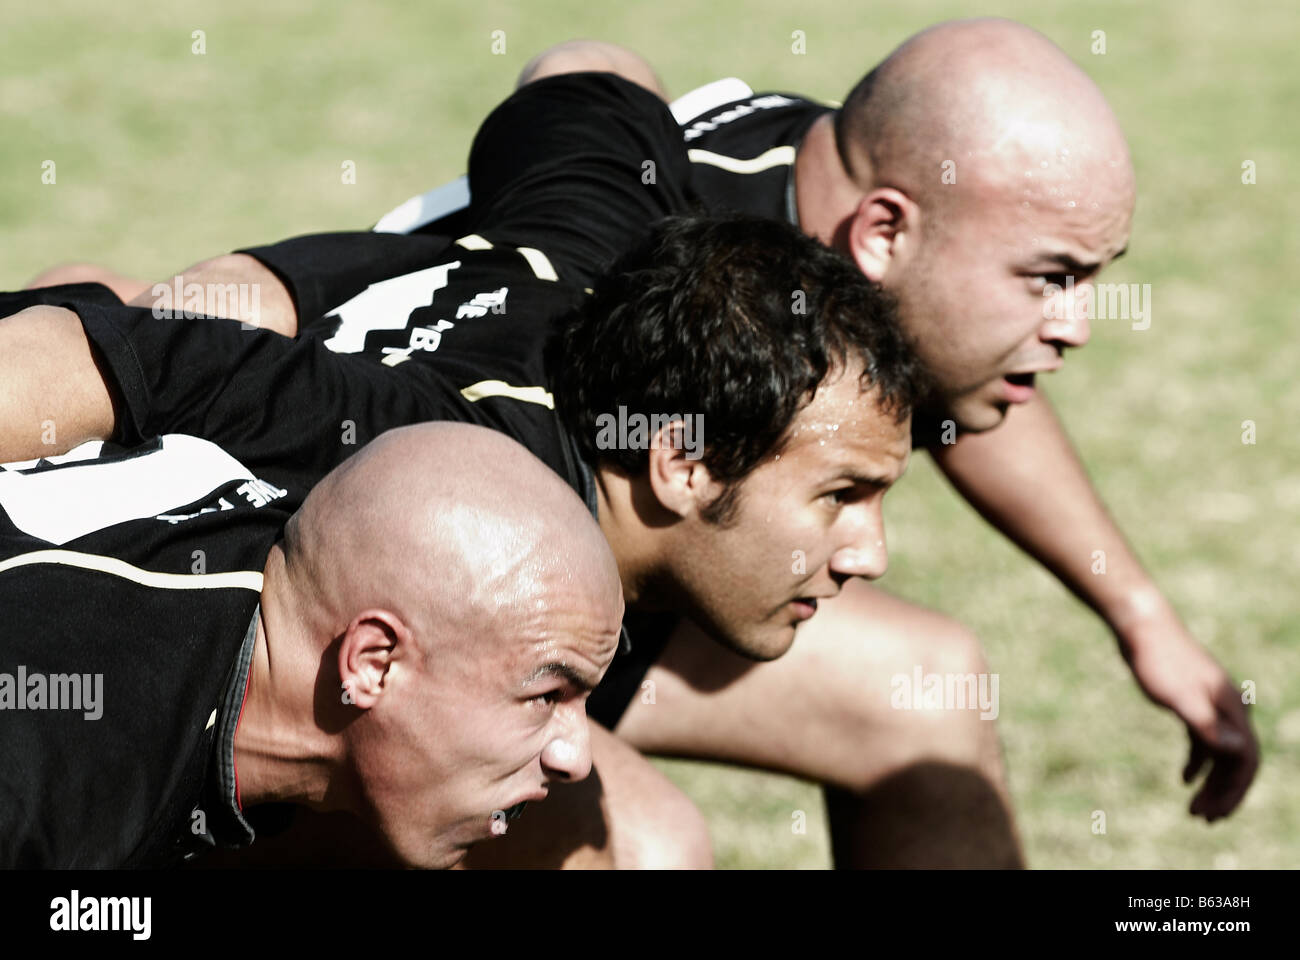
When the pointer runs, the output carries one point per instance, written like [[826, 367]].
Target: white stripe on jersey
[[776, 157], [426, 208], [702, 99], [242, 579], [472, 241], [540, 264], [499, 388], [88, 495]]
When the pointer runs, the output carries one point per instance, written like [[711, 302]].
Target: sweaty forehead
[[1053, 201], [577, 622], [844, 421], [1047, 162]]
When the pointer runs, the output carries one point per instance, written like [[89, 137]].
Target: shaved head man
[[972, 167], [466, 625], [419, 654]]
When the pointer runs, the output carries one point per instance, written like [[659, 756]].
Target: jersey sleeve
[[578, 166], [323, 270], [12, 302], [289, 409]]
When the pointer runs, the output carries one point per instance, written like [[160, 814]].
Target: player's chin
[[769, 642], [976, 414], [447, 848]]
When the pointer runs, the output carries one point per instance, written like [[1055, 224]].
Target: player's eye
[[839, 496], [548, 699], [1038, 283]]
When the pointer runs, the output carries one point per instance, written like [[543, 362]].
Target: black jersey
[[570, 171], [129, 585], [742, 153], [466, 344]]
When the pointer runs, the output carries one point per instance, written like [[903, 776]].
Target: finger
[[1226, 785], [1196, 758], [1234, 718]]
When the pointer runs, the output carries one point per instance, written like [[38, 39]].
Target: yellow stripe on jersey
[[499, 388], [541, 266], [473, 241], [243, 579], [776, 157]]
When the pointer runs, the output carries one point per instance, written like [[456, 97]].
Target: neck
[[826, 195], [632, 539], [281, 754]]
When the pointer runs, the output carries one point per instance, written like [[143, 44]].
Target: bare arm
[[1026, 479], [52, 393], [271, 306]]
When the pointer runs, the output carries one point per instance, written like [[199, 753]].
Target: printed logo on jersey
[[428, 338], [386, 305], [66, 497], [700, 127], [256, 493]]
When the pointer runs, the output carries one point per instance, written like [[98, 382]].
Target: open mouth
[[805, 607], [1018, 387]]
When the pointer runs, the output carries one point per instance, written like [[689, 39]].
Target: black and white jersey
[[466, 344], [569, 171], [742, 148], [130, 580]]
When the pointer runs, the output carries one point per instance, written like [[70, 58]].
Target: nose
[[866, 555], [567, 757], [1072, 326]]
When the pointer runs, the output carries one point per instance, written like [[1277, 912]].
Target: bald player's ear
[[373, 641], [678, 478], [883, 232]]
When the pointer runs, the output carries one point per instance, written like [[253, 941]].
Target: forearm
[[235, 286], [1026, 479], [52, 393]]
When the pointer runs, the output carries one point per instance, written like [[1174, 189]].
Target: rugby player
[[185, 642], [870, 180], [805, 413], [1039, 190]]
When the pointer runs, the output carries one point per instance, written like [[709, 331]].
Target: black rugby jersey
[[130, 580], [460, 340], [742, 153], [570, 170]]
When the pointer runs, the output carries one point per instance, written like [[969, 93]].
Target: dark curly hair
[[735, 318]]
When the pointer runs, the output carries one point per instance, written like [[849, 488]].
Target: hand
[[1176, 672]]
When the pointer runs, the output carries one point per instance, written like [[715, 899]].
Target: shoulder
[[730, 105]]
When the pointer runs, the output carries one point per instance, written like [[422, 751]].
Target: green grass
[[164, 157]]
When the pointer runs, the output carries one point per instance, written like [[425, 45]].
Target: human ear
[[677, 476], [369, 646], [882, 231]]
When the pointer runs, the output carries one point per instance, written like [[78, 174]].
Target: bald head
[[1013, 114], [974, 174], [452, 527]]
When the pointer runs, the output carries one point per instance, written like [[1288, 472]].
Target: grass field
[[164, 156]]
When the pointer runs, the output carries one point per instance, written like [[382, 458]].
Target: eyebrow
[[853, 475], [565, 672], [1070, 263]]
